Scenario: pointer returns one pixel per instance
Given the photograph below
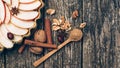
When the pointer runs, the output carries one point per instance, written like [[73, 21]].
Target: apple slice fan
[[17, 18]]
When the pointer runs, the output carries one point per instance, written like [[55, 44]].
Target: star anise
[[14, 11]]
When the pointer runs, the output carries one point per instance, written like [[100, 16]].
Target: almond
[[82, 25], [50, 11]]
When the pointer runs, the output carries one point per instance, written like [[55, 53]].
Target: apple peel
[[30, 6], [27, 16], [8, 16], [26, 1], [21, 23], [16, 30]]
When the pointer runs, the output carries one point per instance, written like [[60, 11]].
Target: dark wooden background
[[99, 48]]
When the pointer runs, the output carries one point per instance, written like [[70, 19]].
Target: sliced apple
[[8, 2], [30, 6], [26, 1], [15, 3], [5, 42], [16, 30], [8, 16], [5, 31], [2, 11], [17, 38], [21, 23], [29, 16]]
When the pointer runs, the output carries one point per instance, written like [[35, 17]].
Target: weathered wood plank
[[2, 60], [99, 41], [70, 55], [54, 61]]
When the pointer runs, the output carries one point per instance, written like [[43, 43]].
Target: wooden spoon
[[75, 35]]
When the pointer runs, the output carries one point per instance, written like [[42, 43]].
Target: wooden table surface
[[99, 48]]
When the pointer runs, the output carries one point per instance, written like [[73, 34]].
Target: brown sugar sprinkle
[[75, 14]]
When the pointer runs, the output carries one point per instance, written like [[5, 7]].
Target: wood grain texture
[[100, 42], [99, 48], [2, 60], [70, 55]]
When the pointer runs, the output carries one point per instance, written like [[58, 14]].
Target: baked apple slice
[[15, 3], [5, 32], [5, 42], [16, 30], [26, 1], [8, 2], [27, 16], [2, 12], [23, 24], [30, 6], [8, 16]]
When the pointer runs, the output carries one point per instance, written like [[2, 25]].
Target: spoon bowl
[[75, 35]]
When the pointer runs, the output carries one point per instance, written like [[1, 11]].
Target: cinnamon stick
[[20, 50], [39, 44], [48, 31]]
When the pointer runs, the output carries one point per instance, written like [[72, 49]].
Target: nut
[[55, 28], [75, 14], [50, 11], [40, 36], [36, 50], [82, 25], [66, 25], [56, 22]]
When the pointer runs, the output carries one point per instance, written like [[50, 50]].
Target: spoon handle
[[42, 59]]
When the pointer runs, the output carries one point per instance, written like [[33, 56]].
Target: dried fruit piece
[[10, 35], [75, 14], [61, 34], [50, 11], [82, 25]]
